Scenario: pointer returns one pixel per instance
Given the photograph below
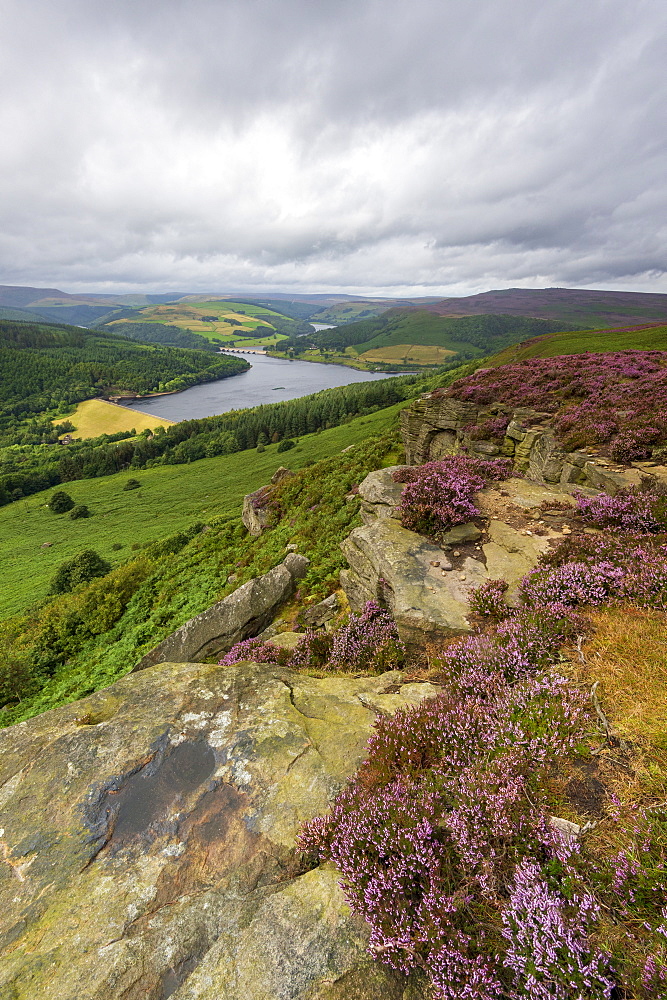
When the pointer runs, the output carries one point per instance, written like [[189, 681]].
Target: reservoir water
[[270, 380]]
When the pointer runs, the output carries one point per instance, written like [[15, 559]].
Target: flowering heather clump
[[643, 510], [640, 576], [488, 599], [548, 940], [368, 641], [255, 650], [440, 494], [573, 583], [492, 429], [440, 813], [618, 398]]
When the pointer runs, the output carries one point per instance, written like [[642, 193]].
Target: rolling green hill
[[650, 338], [469, 337]]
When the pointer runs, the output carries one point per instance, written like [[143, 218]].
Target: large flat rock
[[148, 839], [390, 563]]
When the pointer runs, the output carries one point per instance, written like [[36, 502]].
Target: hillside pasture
[[214, 319], [94, 417], [170, 498], [418, 354]]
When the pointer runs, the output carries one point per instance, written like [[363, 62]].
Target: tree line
[[47, 367]]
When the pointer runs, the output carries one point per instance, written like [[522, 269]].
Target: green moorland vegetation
[[69, 645], [649, 338]]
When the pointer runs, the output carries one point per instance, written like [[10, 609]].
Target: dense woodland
[[162, 333], [49, 368]]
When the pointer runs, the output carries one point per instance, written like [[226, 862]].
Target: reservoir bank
[[270, 380]]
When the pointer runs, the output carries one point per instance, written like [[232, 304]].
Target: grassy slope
[[596, 341], [94, 417], [421, 328], [171, 497]]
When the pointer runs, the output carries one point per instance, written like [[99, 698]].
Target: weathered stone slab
[[148, 837], [390, 563], [241, 615]]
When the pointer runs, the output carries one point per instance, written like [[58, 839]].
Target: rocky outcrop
[[436, 425], [241, 615], [148, 839], [321, 613], [256, 509], [427, 586]]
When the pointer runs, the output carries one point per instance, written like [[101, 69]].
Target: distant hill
[[570, 305]]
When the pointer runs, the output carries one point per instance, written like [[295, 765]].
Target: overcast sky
[[370, 146]]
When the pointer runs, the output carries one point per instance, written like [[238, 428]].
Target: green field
[[215, 319], [597, 341], [170, 498]]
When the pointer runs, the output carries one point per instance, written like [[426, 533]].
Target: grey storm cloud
[[360, 145]]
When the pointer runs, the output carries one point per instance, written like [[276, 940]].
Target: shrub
[[256, 650], [132, 484], [440, 494], [488, 599], [60, 502], [81, 569], [79, 510], [641, 509], [116, 546], [368, 641], [286, 444], [18, 678], [261, 448]]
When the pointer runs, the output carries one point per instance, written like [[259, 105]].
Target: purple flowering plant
[[441, 494], [443, 838], [368, 641], [617, 399]]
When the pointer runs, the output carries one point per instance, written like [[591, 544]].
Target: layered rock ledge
[[427, 586], [436, 425], [148, 839]]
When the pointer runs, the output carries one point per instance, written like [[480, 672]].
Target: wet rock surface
[[148, 839]]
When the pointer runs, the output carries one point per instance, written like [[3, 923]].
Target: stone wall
[[436, 425]]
